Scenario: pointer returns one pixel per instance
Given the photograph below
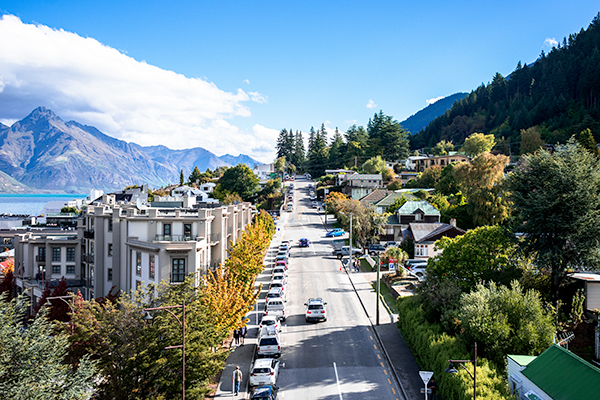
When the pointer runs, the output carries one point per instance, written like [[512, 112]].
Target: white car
[[268, 321], [275, 293], [276, 308], [264, 372], [279, 278], [279, 286], [315, 309]]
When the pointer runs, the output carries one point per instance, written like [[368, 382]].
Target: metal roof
[[523, 361], [586, 276], [410, 207], [563, 375]]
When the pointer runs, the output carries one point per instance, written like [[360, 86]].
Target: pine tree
[[181, 179], [299, 151]]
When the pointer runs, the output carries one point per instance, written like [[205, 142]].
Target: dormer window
[[418, 217]]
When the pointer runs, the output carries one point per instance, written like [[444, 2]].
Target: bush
[[433, 348]]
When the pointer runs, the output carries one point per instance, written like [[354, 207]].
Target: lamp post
[[452, 370], [350, 263], [64, 299], [181, 321]]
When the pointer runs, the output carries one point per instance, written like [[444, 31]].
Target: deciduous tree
[[478, 143]]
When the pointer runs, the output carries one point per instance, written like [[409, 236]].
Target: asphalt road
[[336, 359]]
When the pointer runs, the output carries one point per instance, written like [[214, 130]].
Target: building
[[422, 163], [208, 187], [555, 374], [410, 212], [265, 171], [360, 185], [424, 237]]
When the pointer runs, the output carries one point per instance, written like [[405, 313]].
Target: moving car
[[264, 372], [304, 242], [335, 232], [315, 309]]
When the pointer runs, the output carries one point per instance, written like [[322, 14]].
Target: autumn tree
[[531, 140], [442, 148], [374, 165], [478, 143]]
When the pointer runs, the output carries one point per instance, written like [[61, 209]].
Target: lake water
[[31, 204]]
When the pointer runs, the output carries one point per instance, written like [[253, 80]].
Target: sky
[[229, 75]]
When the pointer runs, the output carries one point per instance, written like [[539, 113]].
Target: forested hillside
[[557, 96]]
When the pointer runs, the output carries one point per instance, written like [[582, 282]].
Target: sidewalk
[[403, 361]]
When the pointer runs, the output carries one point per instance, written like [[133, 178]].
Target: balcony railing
[[239, 225], [88, 258], [88, 234], [173, 238], [229, 230], [214, 238]]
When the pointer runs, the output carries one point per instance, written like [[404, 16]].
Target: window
[[418, 217], [109, 275], [178, 273], [56, 254], [56, 269], [138, 263], [70, 269], [110, 225], [70, 254], [187, 231], [110, 250], [42, 253], [151, 267], [167, 229]]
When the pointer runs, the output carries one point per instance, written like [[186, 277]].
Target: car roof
[[263, 361], [262, 391], [315, 300]]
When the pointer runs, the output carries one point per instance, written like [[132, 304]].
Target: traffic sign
[[425, 376]]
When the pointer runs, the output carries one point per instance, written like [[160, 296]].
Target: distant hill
[[558, 96], [419, 121], [43, 153], [241, 159]]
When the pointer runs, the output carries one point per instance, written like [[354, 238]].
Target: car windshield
[[268, 322], [315, 307]]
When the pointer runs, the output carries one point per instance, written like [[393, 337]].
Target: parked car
[[266, 392], [281, 262], [268, 346], [376, 248], [344, 251], [304, 242], [275, 293], [268, 320], [278, 285], [335, 232], [282, 256], [264, 372], [314, 204], [280, 270], [391, 244], [279, 278], [315, 309], [275, 308]]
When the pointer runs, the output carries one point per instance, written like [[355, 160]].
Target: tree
[[505, 321], [181, 178], [442, 148], [556, 198], [32, 358], [366, 224], [531, 140], [447, 184], [478, 143], [587, 141], [280, 165], [299, 151], [241, 180], [398, 202], [480, 255], [336, 150], [374, 165], [387, 137], [480, 181], [196, 175]]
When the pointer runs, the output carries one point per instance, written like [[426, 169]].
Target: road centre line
[[337, 379]]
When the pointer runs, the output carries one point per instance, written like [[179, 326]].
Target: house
[[208, 187], [590, 283], [422, 163], [425, 236], [265, 171], [360, 185], [384, 204], [556, 374], [411, 211], [375, 197]]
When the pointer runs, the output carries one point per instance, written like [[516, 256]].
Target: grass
[[388, 299]]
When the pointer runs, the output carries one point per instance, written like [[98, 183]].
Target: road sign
[[423, 390], [425, 376]]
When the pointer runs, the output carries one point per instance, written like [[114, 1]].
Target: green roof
[[563, 375], [411, 206], [523, 361], [389, 199]]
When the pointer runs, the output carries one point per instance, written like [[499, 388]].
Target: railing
[[88, 234], [173, 238], [215, 264], [88, 258], [229, 230], [214, 238], [239, 225]]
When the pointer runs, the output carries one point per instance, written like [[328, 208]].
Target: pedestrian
[[433, 386], [237, 380], [236, 337], [243, 333]]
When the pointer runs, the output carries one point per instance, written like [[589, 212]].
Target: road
[[336, 359]]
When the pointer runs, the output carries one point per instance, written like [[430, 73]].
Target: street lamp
[[452, 370], [181, 321], [64, 299], [350, 263]]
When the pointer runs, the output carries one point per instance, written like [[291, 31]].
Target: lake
[[31, 204]]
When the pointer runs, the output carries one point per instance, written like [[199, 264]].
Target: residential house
[[556, 374], [359, 185], [375, 197], [264, 171], [425, 236], [422, 163], [208, 187], [590, 283], [410, 212], [384, 204]]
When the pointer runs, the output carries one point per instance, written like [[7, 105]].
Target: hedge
[[433, 348]]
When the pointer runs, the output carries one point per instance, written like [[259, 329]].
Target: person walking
[[243, 333], [237, 380], [433, 386], [236, 337]]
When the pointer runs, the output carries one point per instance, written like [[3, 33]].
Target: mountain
[[555, 97], [43, 153], [419, 121], [241, 159]]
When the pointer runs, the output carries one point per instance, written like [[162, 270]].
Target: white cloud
[[550, 42], [81, 79], [246, 81], [371, 104], [431, 101]]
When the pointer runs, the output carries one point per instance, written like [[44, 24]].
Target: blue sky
[[228, 75]]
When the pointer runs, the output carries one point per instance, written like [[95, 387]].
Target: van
[[268, 346], [275, 307]]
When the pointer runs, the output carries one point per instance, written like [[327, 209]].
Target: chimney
[[453, 222]]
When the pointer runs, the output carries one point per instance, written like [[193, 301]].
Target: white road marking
[[337, 379]]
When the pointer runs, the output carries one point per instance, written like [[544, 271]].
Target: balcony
[[88, 234], [173, 238], [214, 238], [229, 230], [88, 258]]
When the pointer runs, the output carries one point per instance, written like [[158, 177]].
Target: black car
[[266, 392], [376, 248]]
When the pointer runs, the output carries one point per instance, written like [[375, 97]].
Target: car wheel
[[339, 256], [306, 319]]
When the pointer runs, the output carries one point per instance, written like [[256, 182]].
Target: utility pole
[[377, 291], [351, 265]]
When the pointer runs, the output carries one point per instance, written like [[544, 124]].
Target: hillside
[[558, 96], [43, 153], [419, 121]]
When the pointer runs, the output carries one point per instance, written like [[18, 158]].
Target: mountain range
[[419, 121], [43, 153]]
